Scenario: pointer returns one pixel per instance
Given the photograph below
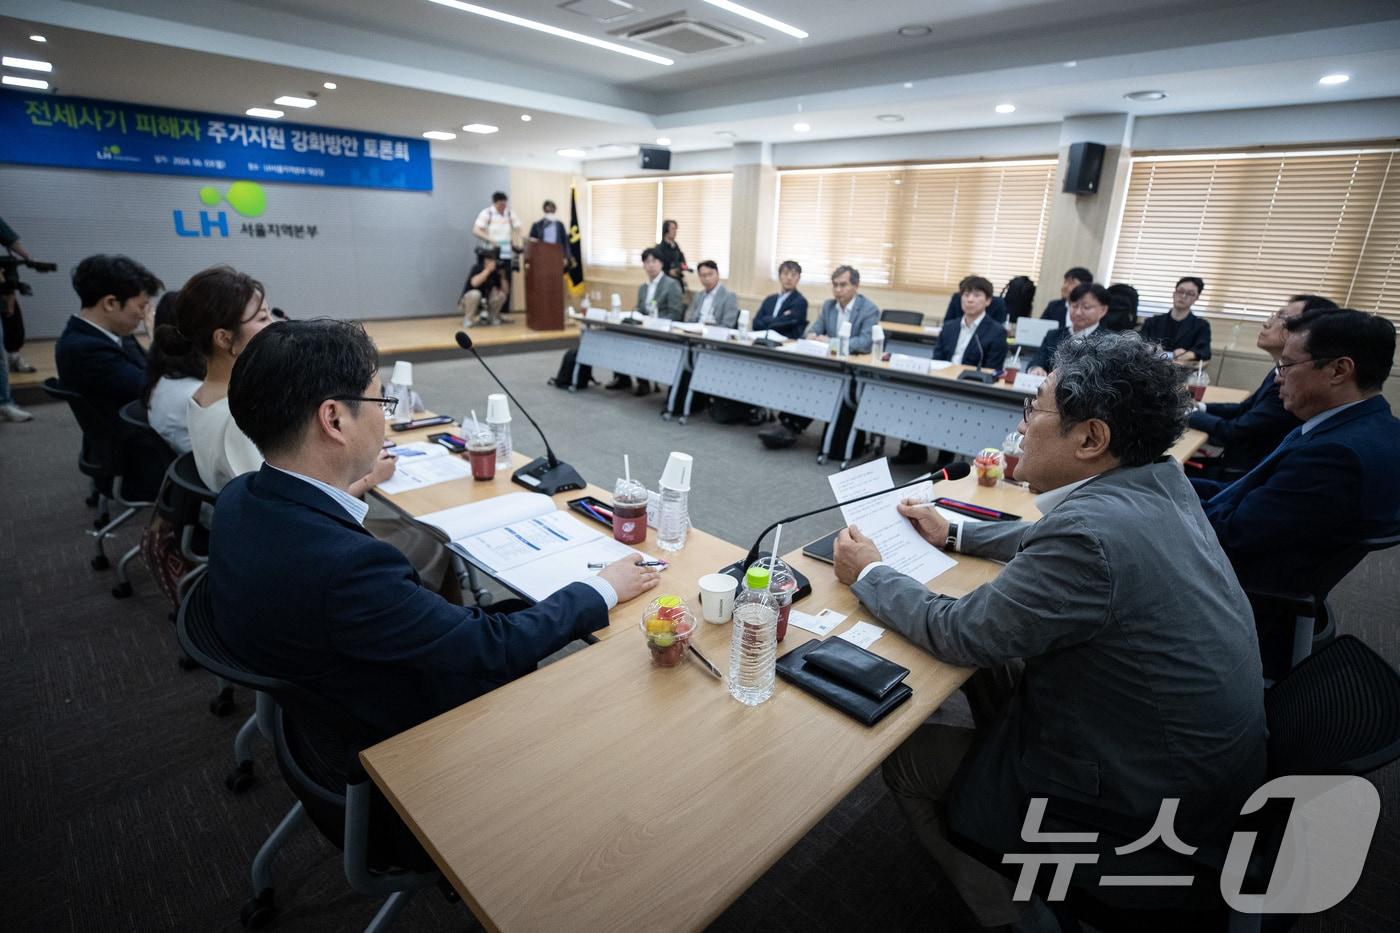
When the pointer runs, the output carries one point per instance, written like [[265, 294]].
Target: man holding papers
[[1136, 674], [302, 592]]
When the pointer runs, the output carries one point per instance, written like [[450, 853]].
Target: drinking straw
[[627, 467], [476, 425], [777, 536], [1016, 360]]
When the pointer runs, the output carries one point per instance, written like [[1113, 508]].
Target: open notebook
[[525, 542]]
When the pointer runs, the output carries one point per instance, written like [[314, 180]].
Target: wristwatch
[[952, 543]]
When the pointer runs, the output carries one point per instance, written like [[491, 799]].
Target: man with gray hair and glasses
[[1119, 666]]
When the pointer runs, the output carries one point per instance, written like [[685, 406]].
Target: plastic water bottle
[[498, 420], [742, 324], [753, 646], [673, 516], [877, 342], [843, 340]]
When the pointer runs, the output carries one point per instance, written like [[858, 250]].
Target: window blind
[[625, 218], [918, 227], [1259, 227]]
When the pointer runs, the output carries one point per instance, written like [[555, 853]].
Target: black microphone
[[956, 470], [547, 474], [976, 375]]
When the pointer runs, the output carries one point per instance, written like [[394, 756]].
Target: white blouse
[[168, 409], [221, 450]]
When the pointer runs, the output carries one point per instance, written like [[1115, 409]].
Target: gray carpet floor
[[114, 816]]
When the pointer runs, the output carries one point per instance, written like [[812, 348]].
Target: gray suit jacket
[[1142, 675], [864, 315], [725, 307], [669, 303]]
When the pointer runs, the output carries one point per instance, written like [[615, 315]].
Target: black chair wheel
[[222, 704], [186, 663], [100, 562], [122, 590], [241, 778], [259, 911]]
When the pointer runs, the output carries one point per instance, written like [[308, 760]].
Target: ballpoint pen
[[705, 661], [640, 563]]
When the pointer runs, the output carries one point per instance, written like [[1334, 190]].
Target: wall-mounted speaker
[[659, 159], [1085, 164]]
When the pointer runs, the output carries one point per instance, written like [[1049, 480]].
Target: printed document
[[900, 545]]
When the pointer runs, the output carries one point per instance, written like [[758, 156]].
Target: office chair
[[92, 461], [144, 449], [187, 504], [902, 317], [317, 745]]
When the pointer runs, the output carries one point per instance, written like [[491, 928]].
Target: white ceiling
[[411, 65]]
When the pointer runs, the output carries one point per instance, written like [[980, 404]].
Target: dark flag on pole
[[574, 260]]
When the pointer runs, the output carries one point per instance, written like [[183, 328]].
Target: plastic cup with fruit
[[989, 465], [668, 625]]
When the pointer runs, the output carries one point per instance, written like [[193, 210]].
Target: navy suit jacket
[[1045, 355], [791, 319], [1296, 521], [108, 374], [996, 310], [992, 353], [537, 230], [1248, 430], [304, 593], [1057, 310]]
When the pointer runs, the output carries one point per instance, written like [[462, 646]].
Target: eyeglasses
[[386, 403], [1028, 406], [1317, 359]]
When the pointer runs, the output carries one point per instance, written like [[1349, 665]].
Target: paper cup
[[677, 473], [717, 591], [403, 373], [497, 408]]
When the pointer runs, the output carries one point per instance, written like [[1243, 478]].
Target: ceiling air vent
[[687, 37]]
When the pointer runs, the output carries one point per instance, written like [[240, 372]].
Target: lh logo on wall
[[248, 199]]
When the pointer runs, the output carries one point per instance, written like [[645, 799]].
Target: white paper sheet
[[863, 634], [900, 545], [520, 543], [463, 521], [539, 578], [821, 623], [425, 471], [935, 365]]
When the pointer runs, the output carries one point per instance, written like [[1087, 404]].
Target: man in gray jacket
[[658, 296], [1137, 673], [713, 304]]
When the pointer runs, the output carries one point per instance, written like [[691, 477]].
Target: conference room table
[[603, 793]]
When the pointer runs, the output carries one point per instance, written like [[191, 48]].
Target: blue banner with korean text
[[79, 132]]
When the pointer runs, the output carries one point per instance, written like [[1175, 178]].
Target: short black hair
[[1196, 280], [1314, 303], [286, 372], [549, 206], [977, 283], [1122, 381], [667, 225], [123, 278], [499, 196], [1368, 340], [1093, 288], [707, 264], [843, 269], [789, 265], [651, 253], [1080, 274]]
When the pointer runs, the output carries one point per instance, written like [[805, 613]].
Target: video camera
[[484, 253], [9, 274]]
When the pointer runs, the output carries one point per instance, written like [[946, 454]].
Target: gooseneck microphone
[[547, 474], [952, 471], [977, 375]]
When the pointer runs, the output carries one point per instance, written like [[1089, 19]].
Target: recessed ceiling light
[[572, 153], [913, 32], [552, 30], [35, 83], [1146, 95], [38, 39], [663, 140], [525, 118], [329, 85], [439, 134], [481, 129], [727, 134], [264, 112], [802, 127], [28, 64], [304, 103], [1325, 79], [889, 118], [757, 17], [908, 85], [1006, 108]]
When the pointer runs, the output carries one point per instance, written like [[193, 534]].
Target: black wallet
[[856, 667], [854, 698]]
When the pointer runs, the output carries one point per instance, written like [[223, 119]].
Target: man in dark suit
[[1250, 429], [97, 355], [1132, 678], [549, 228], [304, 593], [996, 310], [1087, 306], [1296, 522], [1058, 310], [786, 311]]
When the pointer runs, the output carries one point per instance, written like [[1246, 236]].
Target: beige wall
[[529, 188]]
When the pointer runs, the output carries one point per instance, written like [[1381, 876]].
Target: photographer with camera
[[489, 279], [11, 288]]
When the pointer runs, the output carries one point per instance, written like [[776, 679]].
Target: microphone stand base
[[736, 570], [538, 476], [977, 375]]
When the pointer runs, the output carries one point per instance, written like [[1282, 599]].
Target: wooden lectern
[[544, 286]]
